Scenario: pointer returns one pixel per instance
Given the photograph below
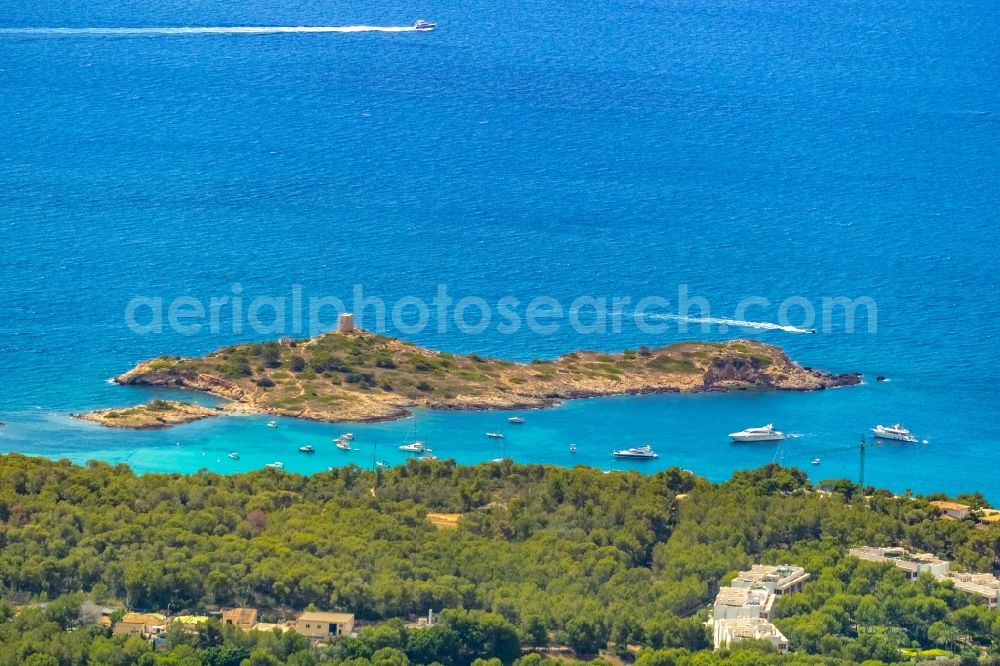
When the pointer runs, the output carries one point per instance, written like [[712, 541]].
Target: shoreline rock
[[150, 416]]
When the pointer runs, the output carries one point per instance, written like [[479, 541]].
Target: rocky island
[[152, 415], [361, 376]]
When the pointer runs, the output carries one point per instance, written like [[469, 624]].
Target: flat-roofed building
[[913, 564], [320, 626], [778, 580], [985, 585], [742, 603], [140, 624], [734, 630]]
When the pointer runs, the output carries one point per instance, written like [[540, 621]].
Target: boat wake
[[208, 30], [724, 321]]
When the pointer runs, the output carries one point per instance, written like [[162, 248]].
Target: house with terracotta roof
[[241, 618], [952, 509], [143, 625]]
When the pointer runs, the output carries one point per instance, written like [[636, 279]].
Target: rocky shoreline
[[363, 377], [150, 416]]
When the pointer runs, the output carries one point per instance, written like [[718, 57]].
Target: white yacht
[[234, 455], [424, 25], [572, 448], [308, 448], [414, 447], [428, 457], [276, 465], [516, 420], [272, 424], [500, 460], [894, 432], [816, 461], [347, 436], [343, 444], [495, 435], [644, 452], [763, 434]]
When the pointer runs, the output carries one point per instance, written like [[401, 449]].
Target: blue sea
[[783, 151]]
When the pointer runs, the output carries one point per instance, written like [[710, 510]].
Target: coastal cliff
[[361, 376]]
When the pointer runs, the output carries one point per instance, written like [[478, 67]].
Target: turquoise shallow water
[[741, 148]]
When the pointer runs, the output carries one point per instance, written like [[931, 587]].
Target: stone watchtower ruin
[[345, 323]]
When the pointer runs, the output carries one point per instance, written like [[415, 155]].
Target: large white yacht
[[644, 452], [763, 434], [414, 447], [894, 432]]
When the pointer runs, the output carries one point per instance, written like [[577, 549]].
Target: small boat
[[516, 420], [381, 464], [234, 455], [308, 448], [272, 424], [275, 465], [495, 435], [424, 25], [347, 437], [894, 432], [763, 434], [500, 460], [342, 444], [572, 448], [428, 458], [815, 461], [414, 447], [644, 452]]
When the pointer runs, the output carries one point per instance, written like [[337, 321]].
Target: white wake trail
[[213, 30], [739, 323]]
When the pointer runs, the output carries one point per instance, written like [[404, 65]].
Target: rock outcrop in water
[[151, 416], [360, 376]]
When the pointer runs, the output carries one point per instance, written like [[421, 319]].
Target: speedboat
[[272, 424], [644, 452], [347, 436], [500, 460], [414, 447], [763, 434], [424, 25], [275, 465], [815, 461], [428, 457], [894, 432], [343, 444], [495, 435], [572, 448], [234, 455], [308, 448], [516, 420]]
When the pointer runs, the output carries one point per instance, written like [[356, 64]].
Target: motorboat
[[816, 461], [428, 457], [234, 455], [894, 432], [347, 436], [272, 424], [516, 420], [763, 434], [342, 444], [275, 465], [495, 435], [644, 452], [308, 448], [572, 448], [414, 447], [424, 25], [500, 460]]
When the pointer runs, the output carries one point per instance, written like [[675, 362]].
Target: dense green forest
[[542, 555]]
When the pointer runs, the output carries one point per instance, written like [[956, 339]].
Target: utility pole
[[861, 475]]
